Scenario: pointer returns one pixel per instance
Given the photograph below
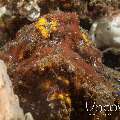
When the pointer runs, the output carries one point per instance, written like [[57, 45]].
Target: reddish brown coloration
[[54, 75]]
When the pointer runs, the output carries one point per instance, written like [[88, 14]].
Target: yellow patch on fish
[[45, 27]]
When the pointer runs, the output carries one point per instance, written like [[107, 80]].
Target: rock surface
[[105, 31], [9, 102]]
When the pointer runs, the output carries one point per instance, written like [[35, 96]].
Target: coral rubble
[[56, 70]]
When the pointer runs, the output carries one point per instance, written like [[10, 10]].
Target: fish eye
[[95, 35], [108, 28]]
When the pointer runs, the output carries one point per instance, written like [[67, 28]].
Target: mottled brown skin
[[54, 77]]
